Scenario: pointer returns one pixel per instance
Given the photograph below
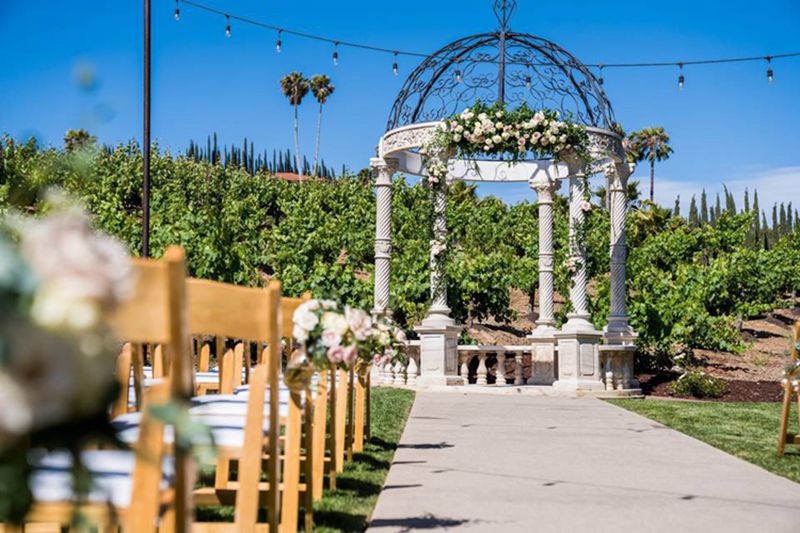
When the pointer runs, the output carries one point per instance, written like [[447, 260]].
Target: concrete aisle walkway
[[521, 463]]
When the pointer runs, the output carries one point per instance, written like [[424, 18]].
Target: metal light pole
[[146, 136]]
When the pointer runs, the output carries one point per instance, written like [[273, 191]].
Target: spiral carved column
[[618, 330], [578, 354], [577, 247], [383, 171], [438, 332], [543, 339], [545, 188]]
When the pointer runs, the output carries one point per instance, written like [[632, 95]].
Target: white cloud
[[774, 185]]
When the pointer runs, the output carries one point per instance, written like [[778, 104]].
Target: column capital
[[617, 175], [545, 187], [383, 169]]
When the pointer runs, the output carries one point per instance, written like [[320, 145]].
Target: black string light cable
[[337, 43]]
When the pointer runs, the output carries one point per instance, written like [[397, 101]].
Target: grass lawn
[[357, 488], [747, 430]]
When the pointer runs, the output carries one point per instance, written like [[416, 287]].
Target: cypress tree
[[718, 208], [730, 203], [782, 222], [693, 219], [789, 220], [764, 228], [757, 222], [704, 208], [676, 211], [775, 228], [746, 201]]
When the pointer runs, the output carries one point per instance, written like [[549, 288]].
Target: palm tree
[[651, 144], [321, 88], [295, 88]]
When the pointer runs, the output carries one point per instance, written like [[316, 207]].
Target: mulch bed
[[658, 385]]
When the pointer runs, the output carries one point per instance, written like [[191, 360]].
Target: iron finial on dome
[[502, 66]]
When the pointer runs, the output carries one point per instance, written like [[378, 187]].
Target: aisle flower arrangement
[[327, 336], [58, 278]]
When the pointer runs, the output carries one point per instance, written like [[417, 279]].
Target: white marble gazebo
[[513, 68]]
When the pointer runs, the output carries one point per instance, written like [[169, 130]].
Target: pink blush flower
[[349, 355], [331, 338], [335, 354]]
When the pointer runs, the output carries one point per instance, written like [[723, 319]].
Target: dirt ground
[[753, 375]]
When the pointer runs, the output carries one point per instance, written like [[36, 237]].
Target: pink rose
[[335, 354], [331, 338], [349, 355]]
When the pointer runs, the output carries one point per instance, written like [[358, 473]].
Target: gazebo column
[[438, 331], [383, 169], [578, 354], [619, 337], [543, 336]]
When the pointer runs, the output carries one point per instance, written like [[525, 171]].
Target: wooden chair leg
[[308, 466], [341, 418], [787, 402], [222, 474], [368, 414], [358, 414], [319, 433], [350, 418]]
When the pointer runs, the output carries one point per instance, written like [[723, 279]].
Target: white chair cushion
[[111, 471]]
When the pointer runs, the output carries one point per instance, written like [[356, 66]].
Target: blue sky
[[727, 125]]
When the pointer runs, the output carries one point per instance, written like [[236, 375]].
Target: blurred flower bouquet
[[328, 336], [58, 278]]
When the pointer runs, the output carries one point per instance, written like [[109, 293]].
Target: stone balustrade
[[481, 365]]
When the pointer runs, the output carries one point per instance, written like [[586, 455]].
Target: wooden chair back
[[248, 315], [155, 317]]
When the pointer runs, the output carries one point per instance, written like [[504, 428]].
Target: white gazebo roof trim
[[402, 144]]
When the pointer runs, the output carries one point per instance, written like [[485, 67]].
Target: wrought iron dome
[[502, 66]]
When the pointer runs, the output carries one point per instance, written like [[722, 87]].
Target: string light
[[335, 54], [681, 78], [601, 66], [457, 75], [177, 11], [528, 81], [394, 65], [770, 77], [227, 26]]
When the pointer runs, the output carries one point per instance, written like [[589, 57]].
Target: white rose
[[331, 338], [300, 334], [335, 322], [456, 138], [563, 138], [497, 139], [305, 319], [359, 321]]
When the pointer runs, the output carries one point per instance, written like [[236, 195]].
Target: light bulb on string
[[600, 80], [770, 74], [457, 75], [394, 65], [336, 54], [177, 11], [278, 43], [227, 26], [681, 78], [528, 82]]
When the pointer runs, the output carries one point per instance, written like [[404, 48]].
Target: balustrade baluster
[[412, 372], [500, 372], [399, 374], [482, 372], [464, 356]]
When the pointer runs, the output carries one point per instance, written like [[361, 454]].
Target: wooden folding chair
[[253, 315], [790, 389], [154, 314]]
